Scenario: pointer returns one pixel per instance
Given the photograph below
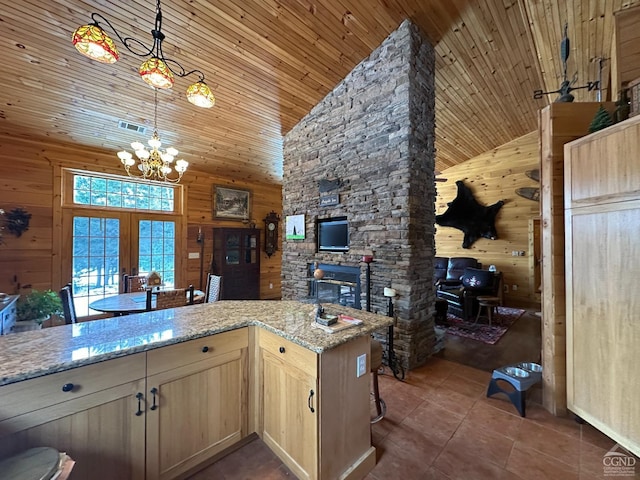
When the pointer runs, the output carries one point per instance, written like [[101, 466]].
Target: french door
[[100, 246]]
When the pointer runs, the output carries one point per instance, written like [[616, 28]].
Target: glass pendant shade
[[93, 42], [156, 73], [200, 95]]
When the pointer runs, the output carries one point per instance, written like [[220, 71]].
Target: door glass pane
[[156, 247], [96, 260]]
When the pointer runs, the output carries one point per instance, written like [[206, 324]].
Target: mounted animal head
[[466, 214]]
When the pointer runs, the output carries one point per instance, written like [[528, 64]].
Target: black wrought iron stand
[[392, 362]]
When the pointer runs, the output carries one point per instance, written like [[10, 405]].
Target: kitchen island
[[162, 393]]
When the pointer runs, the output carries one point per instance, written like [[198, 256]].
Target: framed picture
[[294, 227], [231, 203]]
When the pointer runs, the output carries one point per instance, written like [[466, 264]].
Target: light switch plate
[[361, 367]]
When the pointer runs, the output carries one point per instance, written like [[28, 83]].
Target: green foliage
[[601, 120], [39, 305]]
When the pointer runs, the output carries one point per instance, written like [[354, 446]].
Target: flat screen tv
[[333, 235]]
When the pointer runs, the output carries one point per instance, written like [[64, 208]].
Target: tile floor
[[440, 425]]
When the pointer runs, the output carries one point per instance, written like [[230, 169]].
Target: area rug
[[482, 332]]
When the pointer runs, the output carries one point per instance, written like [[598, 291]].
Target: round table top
[[134, 302]]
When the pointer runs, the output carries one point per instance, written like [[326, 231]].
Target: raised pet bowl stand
[[521, 376]]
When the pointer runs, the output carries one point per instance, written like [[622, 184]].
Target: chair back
[[214, 287], [457, 265], [134, 283], [66, 295], [174, 298]]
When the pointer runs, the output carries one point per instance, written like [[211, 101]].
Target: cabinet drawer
[[30, 395], [291, 353], [178, 355]]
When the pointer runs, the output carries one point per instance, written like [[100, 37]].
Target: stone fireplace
[[366, 152]]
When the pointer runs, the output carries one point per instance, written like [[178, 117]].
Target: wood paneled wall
[[493, 176], [28, 182]]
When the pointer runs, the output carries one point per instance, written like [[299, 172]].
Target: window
[[112, 226]]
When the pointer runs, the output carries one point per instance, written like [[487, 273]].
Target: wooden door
[[236, 257], [207, 399], [290, 406]]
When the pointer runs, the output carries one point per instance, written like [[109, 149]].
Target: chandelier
[[155, 164], [91, 40]]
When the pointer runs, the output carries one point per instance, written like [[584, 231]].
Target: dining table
[[133, 302]]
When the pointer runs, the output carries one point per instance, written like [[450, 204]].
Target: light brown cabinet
[[602, 212], [315, 413], [197, 401], [190, 397], [163, 413], [91, 412], [289, 386]]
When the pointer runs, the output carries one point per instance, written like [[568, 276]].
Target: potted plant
[[36, 307]]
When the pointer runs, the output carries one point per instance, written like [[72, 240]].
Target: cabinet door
[[289, 398], [237, 260], [199, 408], [99, 430]]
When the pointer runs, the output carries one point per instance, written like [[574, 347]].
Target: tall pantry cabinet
[[602, 233]]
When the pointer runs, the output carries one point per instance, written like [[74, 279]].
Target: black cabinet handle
[[281, 349], [139, 396], [310, 399], [205, 349], [154, 391], [68, 387]]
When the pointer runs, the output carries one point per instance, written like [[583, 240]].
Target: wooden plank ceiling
[[270, 61]]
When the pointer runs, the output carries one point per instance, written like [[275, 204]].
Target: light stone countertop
[[32, 354]]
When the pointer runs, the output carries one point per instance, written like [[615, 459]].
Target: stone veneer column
[[375, 133]]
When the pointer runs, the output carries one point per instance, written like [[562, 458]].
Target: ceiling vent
[[132, 127]]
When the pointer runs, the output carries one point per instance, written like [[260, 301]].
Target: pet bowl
[[516, 372]]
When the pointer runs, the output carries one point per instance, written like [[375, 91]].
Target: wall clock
[[271, 233]]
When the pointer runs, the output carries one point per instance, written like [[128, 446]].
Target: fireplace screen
[[340, 285]]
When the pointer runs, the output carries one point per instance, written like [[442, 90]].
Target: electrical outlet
[[361, 365], [521, 253], [270, 285], [515, 287]]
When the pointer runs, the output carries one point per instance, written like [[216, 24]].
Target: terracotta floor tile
[[473, 374], [482, 443], [463, 385], [532, 465], [485, 416], [433, 421], [435, 474], [415, 442], [595, 437], [395, 462], [400, 400], [453, 401], [433, 373], [381, 429], [591, 459], [461, 465], [566, 425], [551, 442]]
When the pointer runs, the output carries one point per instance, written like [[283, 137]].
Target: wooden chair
[[214, 288], [173, 298], [134, 283], [69, 309]]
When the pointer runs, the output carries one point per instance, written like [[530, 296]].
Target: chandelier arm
[[180, 70], [125, 40]]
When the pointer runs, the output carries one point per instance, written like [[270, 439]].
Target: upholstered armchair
[[462, 299], [447, 272]]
